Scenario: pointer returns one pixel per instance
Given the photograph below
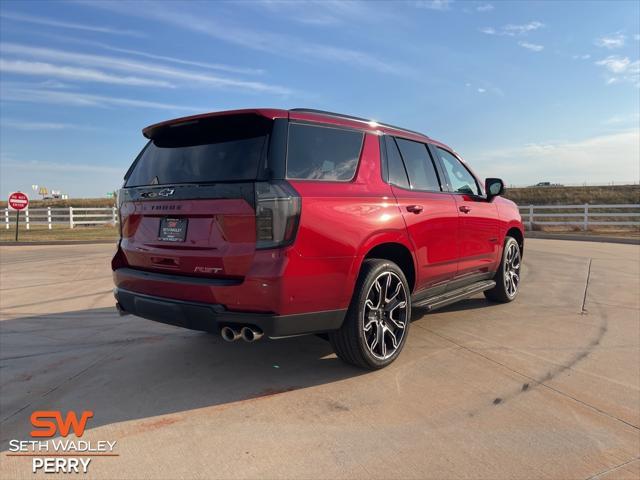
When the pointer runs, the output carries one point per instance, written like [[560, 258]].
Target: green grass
[[40, 233]]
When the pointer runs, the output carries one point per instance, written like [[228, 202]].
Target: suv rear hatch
[[197, 202]]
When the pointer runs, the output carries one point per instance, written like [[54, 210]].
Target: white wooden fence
[[70, 216], [582, 216]]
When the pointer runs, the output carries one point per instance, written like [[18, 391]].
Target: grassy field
[[40, 233], [619, 194]]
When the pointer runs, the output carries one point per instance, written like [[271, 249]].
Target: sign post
[[18, 201]]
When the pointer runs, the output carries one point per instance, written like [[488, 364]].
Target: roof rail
[[351, 117]]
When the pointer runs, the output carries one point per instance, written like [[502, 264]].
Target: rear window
[[218, 149], [322, 153]]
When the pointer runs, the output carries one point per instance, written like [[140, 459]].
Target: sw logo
[[50, 422], [60, 455]]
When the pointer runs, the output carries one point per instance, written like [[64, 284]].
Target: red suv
[[289, 222]]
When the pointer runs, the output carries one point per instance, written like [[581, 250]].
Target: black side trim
[[186, 279], [190, 191], [211, 317], [455, 295]]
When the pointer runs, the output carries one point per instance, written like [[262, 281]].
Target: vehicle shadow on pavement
[[126, 368]]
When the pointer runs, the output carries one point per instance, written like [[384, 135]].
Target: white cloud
[[79, 99], [31, 126], [531, 46], [75, 73], [276, 43], [182, 61], [20, 17], [481, 90], [615, 40], [75, 179], [623, 119], [568, 161], [586, 56], [439, 5], [621, 70], [522, 29], [133, 66], [615, 64], [489, 31], [60, 167], [325, 12], [486, 7], [512, 30], [636, 36]]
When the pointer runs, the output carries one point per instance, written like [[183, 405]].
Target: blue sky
[[527, 91]]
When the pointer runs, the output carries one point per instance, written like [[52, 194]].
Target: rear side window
[[460, 178], [211, 150], [397, 173], [420, 168], [322, 153]]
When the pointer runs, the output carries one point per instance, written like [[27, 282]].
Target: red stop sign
[[18, 201]]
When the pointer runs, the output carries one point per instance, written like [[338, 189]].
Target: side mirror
[[493, 187]]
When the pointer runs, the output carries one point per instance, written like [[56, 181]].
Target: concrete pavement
[[545, 387]]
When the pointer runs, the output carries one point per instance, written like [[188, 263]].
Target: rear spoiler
[[152, 130]]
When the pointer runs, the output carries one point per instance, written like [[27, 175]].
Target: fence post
[[6, 218], [114, 216], [26, 218], [585, 224], [70, 217], [530, 217], [49, 217]]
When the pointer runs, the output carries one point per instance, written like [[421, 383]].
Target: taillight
[[118, 206], [277, 214]]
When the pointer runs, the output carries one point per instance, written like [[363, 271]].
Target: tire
[[508, 275], [377, 323]]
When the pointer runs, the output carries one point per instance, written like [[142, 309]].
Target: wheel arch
[[516, 233], [398, 253]]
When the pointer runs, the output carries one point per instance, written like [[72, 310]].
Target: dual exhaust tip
[[248, 334]]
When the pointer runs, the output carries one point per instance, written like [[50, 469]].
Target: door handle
[[464, 209], [415, 208]]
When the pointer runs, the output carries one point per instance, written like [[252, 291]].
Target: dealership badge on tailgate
[[173, 229]]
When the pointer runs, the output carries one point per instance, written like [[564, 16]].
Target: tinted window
[[212, 150], [397, 173], [422, 173], [460, 178], [322, 153]]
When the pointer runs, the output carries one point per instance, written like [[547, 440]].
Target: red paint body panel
[[433, 233], [340, 222]]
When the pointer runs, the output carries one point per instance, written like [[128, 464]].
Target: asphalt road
[[545, 387]]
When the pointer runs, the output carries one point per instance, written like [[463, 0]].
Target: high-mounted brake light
[[277, 214]]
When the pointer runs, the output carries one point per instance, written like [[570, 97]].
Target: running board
[[453, 296]]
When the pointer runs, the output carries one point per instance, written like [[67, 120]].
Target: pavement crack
[[604, 472], [533, 382], [586, 287]]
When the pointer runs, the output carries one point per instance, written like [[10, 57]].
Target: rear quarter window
[[322, 153]]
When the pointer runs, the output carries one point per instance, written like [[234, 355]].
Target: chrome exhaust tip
[[121, 311], [250, 334], [229, 334]]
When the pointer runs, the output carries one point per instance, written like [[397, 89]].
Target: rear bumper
[[211, 317]]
